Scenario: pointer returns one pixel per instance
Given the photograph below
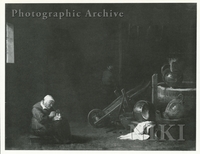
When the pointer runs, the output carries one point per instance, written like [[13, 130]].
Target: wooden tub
[[165, 94]]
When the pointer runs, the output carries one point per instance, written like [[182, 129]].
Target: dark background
[[65, 58]]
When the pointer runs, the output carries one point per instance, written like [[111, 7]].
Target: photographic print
[[100, 76]]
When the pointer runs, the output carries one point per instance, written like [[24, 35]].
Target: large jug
[[171, 78], [175, 108]]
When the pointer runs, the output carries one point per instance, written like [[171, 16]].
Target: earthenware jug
[[175, 108], [171, 78]]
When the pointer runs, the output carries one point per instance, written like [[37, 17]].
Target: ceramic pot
[[141, 110], [175, 108], [172, 79]]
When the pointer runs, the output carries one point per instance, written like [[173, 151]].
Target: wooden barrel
[[165, 94]]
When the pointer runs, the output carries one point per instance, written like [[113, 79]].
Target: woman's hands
[[52, 114]]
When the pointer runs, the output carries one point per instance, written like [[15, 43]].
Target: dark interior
[[66, 57]]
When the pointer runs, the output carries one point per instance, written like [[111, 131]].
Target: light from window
[[9, 43]]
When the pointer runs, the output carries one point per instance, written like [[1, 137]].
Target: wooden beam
[[154, 88], [120, 54]]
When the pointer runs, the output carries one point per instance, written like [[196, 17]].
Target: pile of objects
[[169, 113]]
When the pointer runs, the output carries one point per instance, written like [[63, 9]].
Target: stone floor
[[85, 137]]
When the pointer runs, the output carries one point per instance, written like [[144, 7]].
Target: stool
[[34, 139]]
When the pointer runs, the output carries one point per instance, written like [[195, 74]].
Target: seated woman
[[48, 122]]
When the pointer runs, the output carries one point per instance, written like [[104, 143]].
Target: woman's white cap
[[49, 98]]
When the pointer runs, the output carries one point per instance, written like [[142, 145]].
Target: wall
[[66, 58]]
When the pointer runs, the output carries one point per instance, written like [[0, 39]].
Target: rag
[[139, 132]]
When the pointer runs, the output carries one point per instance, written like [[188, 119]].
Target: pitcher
[[172, 76]]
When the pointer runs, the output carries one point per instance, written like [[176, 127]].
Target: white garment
[[138, 133]]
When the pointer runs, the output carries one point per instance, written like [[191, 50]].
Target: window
[[9, 43]]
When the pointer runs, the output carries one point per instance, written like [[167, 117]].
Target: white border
[[2, 66]]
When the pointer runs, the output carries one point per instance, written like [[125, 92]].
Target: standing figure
[[109, 85]]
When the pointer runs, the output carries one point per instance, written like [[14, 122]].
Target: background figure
[[48, 122], [109, 85]]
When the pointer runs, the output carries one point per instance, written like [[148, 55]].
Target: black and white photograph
[[100, 76]]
